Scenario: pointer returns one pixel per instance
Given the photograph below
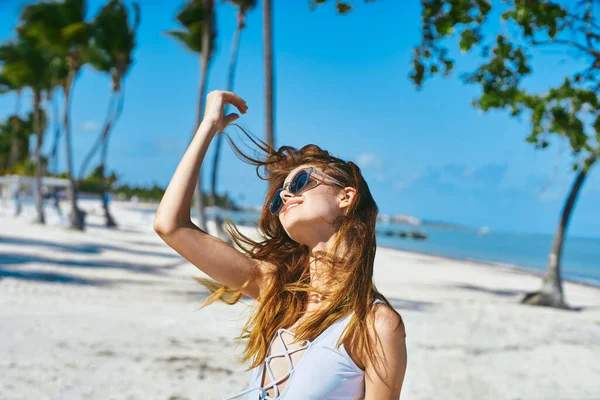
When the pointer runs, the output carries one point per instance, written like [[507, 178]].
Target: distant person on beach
[[56, 203], [320, 329], [15, 194]]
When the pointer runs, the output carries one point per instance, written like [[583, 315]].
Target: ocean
[[580, 259]]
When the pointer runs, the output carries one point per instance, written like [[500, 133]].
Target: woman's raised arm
[[173, 223]]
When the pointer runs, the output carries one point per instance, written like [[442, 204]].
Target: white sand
[[109, 314]]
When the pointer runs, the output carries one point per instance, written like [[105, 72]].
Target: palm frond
[[243, 5], [193, 16], [113, 37], [191, 40]]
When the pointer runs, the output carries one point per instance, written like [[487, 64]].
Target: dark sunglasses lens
[[276, 203], [299, 181]]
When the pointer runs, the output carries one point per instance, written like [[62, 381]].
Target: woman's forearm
[[174, 209]]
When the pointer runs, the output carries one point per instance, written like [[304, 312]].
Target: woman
[[320, 329]]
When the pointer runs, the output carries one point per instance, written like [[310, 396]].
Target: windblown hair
[[284, 299]]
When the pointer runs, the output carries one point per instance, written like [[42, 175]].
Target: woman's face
[[309, 216]]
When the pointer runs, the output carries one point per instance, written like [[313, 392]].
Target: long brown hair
[[283, 301]]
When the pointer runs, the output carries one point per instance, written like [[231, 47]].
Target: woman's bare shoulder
[[387, 321]]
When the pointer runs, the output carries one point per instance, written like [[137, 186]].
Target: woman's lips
[[291, 206]]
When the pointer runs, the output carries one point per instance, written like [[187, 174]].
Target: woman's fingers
[[229, 119], [232, 98]]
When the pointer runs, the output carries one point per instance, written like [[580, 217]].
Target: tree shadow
[[53, 277], [411, 305], [202, 293], [117, 229], [482, 289], [80, 248], [16, 259]]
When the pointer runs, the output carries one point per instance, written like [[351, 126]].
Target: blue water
[[580, 261]]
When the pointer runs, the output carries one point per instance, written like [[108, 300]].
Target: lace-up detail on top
[[324, 371], [288, 356]]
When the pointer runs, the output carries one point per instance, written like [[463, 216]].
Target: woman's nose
[[285, 195]]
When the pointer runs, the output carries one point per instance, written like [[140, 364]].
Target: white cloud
[[380, 177], [369, 160], [405, 183], [460, 176], [551, 194], [90, 126]]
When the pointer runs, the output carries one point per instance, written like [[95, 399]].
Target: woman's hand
[[215, 108]]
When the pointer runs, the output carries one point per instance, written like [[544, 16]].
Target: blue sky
[[341, 83]]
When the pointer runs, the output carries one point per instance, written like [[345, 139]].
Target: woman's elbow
[[163, 227]]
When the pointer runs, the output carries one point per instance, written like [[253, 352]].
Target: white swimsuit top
[[324, 372]]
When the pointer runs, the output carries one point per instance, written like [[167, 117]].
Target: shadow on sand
[[80, 248], [483, 289], [52, 277], [16, 259], [411, 305]]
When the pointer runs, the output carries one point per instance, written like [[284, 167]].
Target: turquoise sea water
[[580, 262]]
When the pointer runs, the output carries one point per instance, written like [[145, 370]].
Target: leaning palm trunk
[[14, 145], [108, 122], [37, 127], [56, 142], [268, 43], [205, 60], [230, 81], [199, 201], [77, 216], [551, 293], [109, 220], [102, 143]]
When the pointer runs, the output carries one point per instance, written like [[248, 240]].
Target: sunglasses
[[296, 185]]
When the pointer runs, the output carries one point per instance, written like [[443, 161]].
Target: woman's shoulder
[[387, 321]]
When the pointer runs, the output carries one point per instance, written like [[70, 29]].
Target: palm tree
[[9, 82], [243, 7], [61, 28], [53, 157], [551, 293], [199, 34], [15, 133], [268, 40], [111, 46], [26, 58]]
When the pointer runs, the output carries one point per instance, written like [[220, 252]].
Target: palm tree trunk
[[77, 216], [14, 145], [109, 220], [40, 218], [205, 60], [268, 42], [110, 117], [551, 293], [54, 154], [230, 82]]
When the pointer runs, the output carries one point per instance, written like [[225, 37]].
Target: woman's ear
[[347, 197]]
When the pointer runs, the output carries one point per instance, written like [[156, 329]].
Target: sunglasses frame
[[311, 171]]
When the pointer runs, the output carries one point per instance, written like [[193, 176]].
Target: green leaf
[[343, 8], [597, 126], [449, 66], [467, 39]]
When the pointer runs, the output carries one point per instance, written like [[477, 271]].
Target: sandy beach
[[111, 314]]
